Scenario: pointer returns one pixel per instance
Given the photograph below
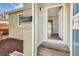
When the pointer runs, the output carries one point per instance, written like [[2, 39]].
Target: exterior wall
[[27, 5], [27, 37], [27, 31], [28, 12], [24, 32], [14, 30]]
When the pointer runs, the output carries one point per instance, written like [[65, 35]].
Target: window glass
[[75, 41], [75, 8], [78, 7]]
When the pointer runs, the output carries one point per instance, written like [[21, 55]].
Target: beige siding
[[14, 15], [14, 30], [27, 5], [27, 37], [24, 32], [27, 31]]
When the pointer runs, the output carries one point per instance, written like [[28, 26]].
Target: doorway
[[55, 23]]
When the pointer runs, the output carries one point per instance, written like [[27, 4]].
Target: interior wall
[[60, 18], [38, 26], [55, 24], [67, 23]]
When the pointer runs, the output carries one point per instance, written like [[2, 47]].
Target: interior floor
[[55, 37], [52, 49], [10, 45]]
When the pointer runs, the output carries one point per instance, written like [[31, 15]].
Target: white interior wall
[[67, 23], [55, 23], [45, 21], [38, 26], [60, 18]]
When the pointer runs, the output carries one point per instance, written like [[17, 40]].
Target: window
[[75, 8], [75, 30], [76, 11], [75, 49], [20, 19]]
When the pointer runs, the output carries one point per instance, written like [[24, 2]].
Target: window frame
[[19, 25]]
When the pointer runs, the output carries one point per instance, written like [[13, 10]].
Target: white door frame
[[71, 14], [47, 17]]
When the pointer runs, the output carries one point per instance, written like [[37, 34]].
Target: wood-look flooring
[[54, 37], [45, 51]]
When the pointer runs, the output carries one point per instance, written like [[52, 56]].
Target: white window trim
[[18, 20], [73, 17]]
